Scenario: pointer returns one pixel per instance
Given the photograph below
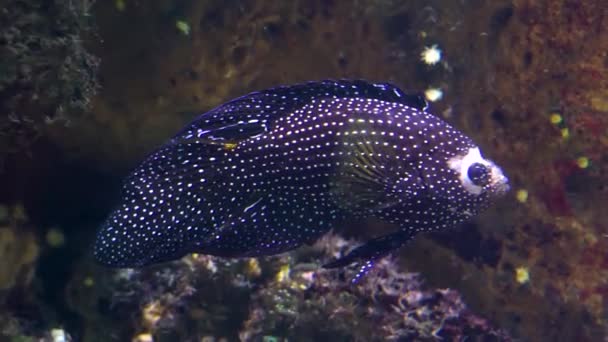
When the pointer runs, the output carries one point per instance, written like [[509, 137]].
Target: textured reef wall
[[271, 299], [541, 102], [46, 74], [527, 79]]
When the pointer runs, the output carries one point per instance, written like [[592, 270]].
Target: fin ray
[[361, 172], [282, 100], [368, 253]]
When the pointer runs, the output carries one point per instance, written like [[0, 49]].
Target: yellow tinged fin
[[230, 146], [360, 181]]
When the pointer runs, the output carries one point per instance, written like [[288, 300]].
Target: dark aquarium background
[[88, 88]]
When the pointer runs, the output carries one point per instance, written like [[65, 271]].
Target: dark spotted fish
[[272, 170]]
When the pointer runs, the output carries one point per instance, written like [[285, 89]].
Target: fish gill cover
[[273, 170]]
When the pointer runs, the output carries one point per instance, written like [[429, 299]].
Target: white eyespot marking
[[462, 163]]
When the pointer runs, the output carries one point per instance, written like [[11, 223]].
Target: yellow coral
[[599, 102], [433, 94], [253, 269], [283, 274], [88, 281], [143, 337], [556, 118], [120, 5], [18, 252], [152, 313], [183, 27], [522, 275], [55, 237], [431, 55], [522, 195], [583, 162]]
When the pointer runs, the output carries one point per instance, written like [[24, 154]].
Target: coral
[[19, 252], [288, 297], [46, 74], [13, 331], [319, 304]]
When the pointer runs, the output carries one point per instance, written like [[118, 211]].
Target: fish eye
[[479, 174]]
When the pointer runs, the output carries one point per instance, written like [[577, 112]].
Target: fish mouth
[[503, 188], [498, 181]]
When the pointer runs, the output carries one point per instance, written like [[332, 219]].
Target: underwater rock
[[318, 304], [19, 252], [285, 297], [46, 74]]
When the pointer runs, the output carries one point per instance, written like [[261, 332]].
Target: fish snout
[[499, 182]]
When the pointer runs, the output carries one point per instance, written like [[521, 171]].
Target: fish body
[[276, 169]]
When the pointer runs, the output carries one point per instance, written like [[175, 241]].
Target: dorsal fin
[[222, 128], [255, 111]]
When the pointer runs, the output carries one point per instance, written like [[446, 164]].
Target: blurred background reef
[[88, 88]]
